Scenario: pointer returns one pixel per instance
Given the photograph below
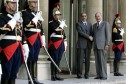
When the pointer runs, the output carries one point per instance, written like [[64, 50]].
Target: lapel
[[84, 26], [100, 26]]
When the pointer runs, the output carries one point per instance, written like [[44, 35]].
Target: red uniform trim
[[32, 39], [119, 46], [56, 44], [10, 50], [0, 49]]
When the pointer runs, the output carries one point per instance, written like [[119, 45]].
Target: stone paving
[[73, 80]]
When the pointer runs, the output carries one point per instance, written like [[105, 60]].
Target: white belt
[[18, 38], [119, 40], [33, 30], [58, 36]]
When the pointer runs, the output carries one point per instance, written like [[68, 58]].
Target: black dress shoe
[[103, 78], [60, 79], [37, 82], [97, 77], [119, 74], [53, 78], [116, 74], [79, 77], [86, 77]]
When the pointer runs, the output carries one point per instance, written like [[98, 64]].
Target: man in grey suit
[[84, 45], [101, 35]]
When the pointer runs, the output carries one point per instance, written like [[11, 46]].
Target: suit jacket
[[101, 35], [84, 31]]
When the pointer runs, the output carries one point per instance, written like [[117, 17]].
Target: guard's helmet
[[10, 1], [57, 12], [118, 22]]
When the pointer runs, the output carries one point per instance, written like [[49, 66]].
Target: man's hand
[[106, 47], [90, 38]]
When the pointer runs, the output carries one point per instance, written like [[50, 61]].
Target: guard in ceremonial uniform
[[32, 23], [117, 17], [57, 42], [11, 49], [118, 46]]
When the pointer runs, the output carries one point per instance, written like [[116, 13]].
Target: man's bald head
[[98, 16]]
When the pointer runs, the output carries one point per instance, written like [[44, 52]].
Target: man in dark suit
[[101, 36], [84, 45]]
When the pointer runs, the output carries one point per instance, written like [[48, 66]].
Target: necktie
[[97, 25], [84, 23]]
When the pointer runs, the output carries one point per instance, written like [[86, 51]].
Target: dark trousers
[[11, 67], [56, 56], [118, 55], [34, 51], [81, 55], [33, 57]]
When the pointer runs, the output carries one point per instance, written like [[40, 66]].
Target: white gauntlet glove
[[43, 40], [14, 20], [65, 45], [122, 31], [62, 24], [26, 51], [37, 17], [40, 17]]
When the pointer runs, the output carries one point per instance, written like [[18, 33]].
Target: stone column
[[122, 11], [110, 9], [93, 6]]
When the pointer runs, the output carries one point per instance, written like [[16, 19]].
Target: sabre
[[28, 73], [67, 63], [52, 60], [17, 6], [38, 6]]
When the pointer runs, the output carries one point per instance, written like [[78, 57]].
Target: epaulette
[[51, 21], [114, 30]]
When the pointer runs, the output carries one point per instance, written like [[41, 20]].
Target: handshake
[[90, 38], [62, 24]]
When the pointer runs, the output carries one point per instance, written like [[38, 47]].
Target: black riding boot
[[4, 81], [34, 69], [116, 68], [57, 74], [11, 81], [30, 70], [53, 74]]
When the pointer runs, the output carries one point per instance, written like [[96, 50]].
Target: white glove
[[36, 18], [40, 17], [14, 20], [17, 16], [26, 51], [43, 40], [122, 31], [65, 45], [62, 24]]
